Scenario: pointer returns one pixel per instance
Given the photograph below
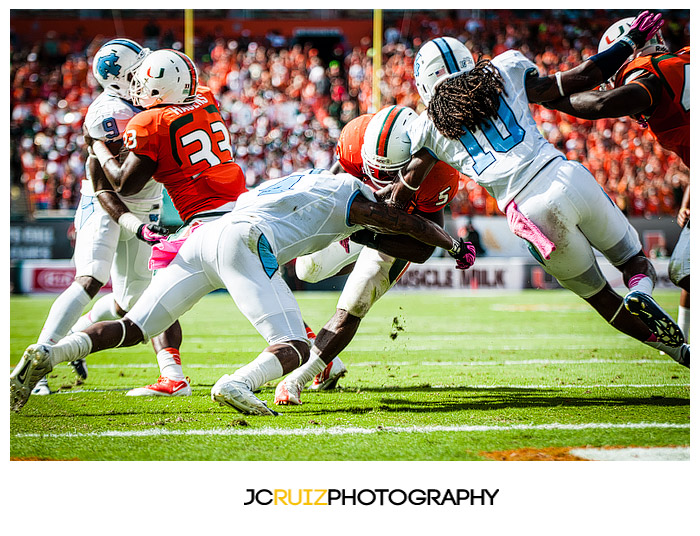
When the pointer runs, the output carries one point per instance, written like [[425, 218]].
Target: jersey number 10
[[501, 143]]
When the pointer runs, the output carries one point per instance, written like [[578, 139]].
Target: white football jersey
[[105, 120], [503, 156], [301, 213]]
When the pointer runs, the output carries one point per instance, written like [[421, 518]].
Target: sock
[[262, 369], [310, 334], [307, 371], [641, 283], [169, 363], [674, 353], [103, 309], [64, 312], [71, 347], [684, 321]]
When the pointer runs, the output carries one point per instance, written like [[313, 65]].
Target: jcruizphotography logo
[[369, 497]]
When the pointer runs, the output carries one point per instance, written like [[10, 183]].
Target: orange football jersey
[[191, 145], [670, 120], [438, 188]]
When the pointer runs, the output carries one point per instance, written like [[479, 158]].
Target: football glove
[[151, 233], [464, 253], [644, 27]]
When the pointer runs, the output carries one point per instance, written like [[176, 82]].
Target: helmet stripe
[[447, 55], [383, 140], [192, 70], [125, 42]]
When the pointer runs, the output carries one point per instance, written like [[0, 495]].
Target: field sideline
[[530, 375]]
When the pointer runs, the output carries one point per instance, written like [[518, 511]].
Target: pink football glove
[[151, 233], [644, 27], [464, 253]]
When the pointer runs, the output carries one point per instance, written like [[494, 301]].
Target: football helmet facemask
[[164, 77], [438, 60], [654, 45], [386, 147], [114, 64]]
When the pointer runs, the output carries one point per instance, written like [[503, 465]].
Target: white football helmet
[[164, 77], [386, 147], [438, 60], [655, 45], [114, 64]]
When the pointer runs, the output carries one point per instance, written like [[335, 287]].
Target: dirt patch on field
[[529, 454]]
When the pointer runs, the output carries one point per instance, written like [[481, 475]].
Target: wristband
[[557, 77], [412, 188], [129, 222]]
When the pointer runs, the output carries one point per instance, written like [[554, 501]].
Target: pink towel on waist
[[527, 230], [163, 253]]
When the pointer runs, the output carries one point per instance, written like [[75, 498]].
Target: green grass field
[[431, 377]]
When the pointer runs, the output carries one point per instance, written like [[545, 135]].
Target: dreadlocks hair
[[466, 100]]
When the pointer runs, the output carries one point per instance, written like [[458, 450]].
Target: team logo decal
[[107, 65], [159, 75]]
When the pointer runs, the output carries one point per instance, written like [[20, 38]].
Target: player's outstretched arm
[[630, 99], [383, 218], [598, 68]]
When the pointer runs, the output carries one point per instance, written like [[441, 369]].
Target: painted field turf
[[431, 377]]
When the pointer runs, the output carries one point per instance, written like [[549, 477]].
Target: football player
[[113, 233], [373, 148], [478, 120], [182, 142], [653, 87], [242, 251]]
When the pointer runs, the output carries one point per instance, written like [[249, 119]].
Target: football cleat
[[80, 368], [656, 319], [239, 396], [164, 387], [328, 379], [42, 387], [288, 393], [684, 358], [34, 365]]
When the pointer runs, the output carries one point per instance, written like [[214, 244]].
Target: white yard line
[[349, 430], [481, 386], [487, 363]]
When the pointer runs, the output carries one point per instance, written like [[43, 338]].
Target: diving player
[[478, 120], [653, 87], [242, 251]]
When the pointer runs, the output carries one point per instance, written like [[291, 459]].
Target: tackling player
[[182, 142], [373, 148], [653, 87], [478, 120], [113, 233], [279, 221]]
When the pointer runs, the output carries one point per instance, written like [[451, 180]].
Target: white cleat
[[288, 393], [42, 387], [34, 365], [328, 379], [239, 396]]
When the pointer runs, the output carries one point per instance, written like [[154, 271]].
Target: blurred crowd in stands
[[286, 104]]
